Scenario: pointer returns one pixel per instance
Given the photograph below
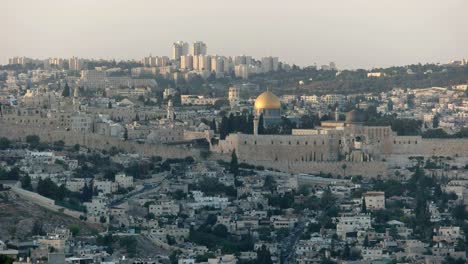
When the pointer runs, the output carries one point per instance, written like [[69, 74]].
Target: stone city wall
[[19, 132], [365, 169], [45, 202], [280, 147], [417, 146]]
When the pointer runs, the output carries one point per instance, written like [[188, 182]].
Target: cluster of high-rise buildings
[[194, 58], [186, 61]]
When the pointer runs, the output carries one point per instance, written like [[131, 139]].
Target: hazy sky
[[353, 33]]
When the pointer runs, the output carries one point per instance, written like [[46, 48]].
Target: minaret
[[76, 102], [255, 124], [170, 110]]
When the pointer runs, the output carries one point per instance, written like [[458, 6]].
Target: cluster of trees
[[211, 186], [111, 243], [5, 143], [440, 133], [216, 236], [236, 123], [423, 189], [403, 126], [356, 81], [48, 188], [13, 174]]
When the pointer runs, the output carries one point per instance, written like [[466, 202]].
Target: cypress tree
[[213, 125], [234, 166], [66, 91], [223, 128], [261, 128], [364, 206]]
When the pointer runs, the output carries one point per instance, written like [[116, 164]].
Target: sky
[[352, 33]]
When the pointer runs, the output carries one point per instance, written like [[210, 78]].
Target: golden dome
[[28, 93], [267, 100]]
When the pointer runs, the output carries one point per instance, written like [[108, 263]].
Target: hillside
[[20, 219]]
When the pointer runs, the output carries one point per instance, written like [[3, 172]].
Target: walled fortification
[[365, 169], [415, 145], [19, 132]]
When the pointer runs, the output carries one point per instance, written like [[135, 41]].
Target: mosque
[[332, 142], [267, 106]]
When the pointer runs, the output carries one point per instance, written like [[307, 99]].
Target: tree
[[346, 252], [234, 165], [435, 121], [220, 230], [47, 188], [393, 232], [76, 147], [364, 206], [26, 183], [213, 125], [74, 229], [125, 136], [344, 166], [269, 183], [451, 260], [66, 90], [221, 103], [263, 256], [223, 128], [308, 121], [170, 240], [366, 241], [5, 143], [33, 140], [4, 259], [109, 105], [59, 145], [261, 128], [37, 229], [458, 213]]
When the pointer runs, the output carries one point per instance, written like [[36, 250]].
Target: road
[[288, 244], [147, 189]]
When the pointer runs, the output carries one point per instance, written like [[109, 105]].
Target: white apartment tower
[[204, 62], [198, 48], [242, 71], [155, 61], [75, 64], [242, 60], [217, 64], [179, 49], [269, 64], [186, 62]]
